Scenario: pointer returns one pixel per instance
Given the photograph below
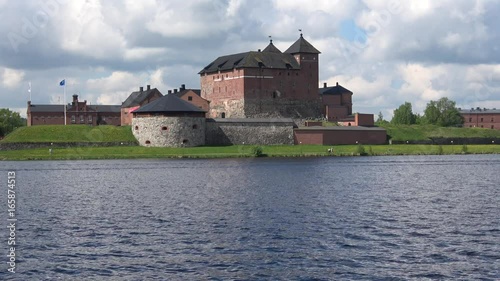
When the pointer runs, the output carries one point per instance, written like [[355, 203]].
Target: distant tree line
[[442, 112], [9, 121]]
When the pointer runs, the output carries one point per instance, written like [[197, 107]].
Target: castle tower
[[308, 58]]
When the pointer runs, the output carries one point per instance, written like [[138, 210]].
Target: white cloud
[[11, 78]]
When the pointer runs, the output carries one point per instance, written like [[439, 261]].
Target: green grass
[[71, 133], [138, 152], [425, 132]]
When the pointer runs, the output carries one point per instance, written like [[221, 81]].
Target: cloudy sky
[[386, 52]]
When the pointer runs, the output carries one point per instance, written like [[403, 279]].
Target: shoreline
[[241, 151]]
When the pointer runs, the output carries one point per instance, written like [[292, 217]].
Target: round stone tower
[[169, 122]]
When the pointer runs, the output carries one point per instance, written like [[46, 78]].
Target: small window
[[481, 119], [90, 118], [470, 119], [274, 95], [492, 119], [148, 142], [190, 98], [223, 115], [493, 126], [136, 128], [184, 141], [470, 126], [73, 118], [82, 119], [195, 126], [164, 128], [482, 126]]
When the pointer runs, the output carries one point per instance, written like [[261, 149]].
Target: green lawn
[[135, 152], [425, 132], [72, 133]]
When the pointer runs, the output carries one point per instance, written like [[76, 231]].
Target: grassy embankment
[[131, 152], [111, 133], [73, 133], [426, 132]]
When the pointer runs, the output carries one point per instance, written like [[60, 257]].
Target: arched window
[[195, 126], [164, 128], [148, 142], [136, 128], [223, 115]]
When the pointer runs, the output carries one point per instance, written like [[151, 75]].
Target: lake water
[[357, 218]]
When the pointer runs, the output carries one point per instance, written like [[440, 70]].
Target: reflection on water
[[372, 218]]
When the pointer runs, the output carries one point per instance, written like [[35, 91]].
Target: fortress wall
[[249, 131], [161, 131]]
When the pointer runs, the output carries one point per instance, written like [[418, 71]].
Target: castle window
[[482, 126], [184, 141], [481, 119], [82, 119], [136, 128], [223, 115], [148, 142], [288, 73], [164, 128], [90, 118], [470, 119], [493, 126], [492, 120], [73, 118], [296, 74], [190, 98], [279, 73], [195, 126]]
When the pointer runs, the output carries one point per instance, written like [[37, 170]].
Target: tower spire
[[300, 30], [270, 39]]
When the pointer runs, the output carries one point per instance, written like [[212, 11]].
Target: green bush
[[257, 151], [465, 149], [440, 150], [360, 150]]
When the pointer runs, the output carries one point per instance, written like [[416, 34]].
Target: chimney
[[324, 85], [149, 87], [337, 83], [169, 92], [183, 87], [175, 91], [75, 99], [141, 88]]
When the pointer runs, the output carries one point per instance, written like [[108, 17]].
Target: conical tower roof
[[302, 46], [271, 48]]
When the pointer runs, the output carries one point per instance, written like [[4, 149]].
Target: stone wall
[[161, 131], [249, 131], [282, 108]]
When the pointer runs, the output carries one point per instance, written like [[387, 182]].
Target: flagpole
[[29, 90], [64, 103]]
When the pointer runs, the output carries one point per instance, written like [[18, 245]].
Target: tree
[[404, 115], [9, 121], [442, 113], [380, 119]]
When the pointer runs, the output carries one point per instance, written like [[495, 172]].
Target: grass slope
[[425, 132], [134, 152], [72, 133]]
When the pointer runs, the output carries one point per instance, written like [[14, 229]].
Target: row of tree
[[442, 112], [9, 121]]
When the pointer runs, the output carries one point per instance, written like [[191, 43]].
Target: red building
[[136, 100], [77, 112], [336, 101], [481, 118], [266, 83], [192, 96]]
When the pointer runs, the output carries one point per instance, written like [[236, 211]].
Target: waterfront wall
[[162, 131], [249, 131]]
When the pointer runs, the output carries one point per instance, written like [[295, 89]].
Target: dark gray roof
[[136, 98], [342, 128], [271, 48], [60, 108], [335, 90], [106, 108], [252, 60], [480, 111], [252, 120], [179, 94], [302, 46], [168, 103]]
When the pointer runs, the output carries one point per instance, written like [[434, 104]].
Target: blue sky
[[386, 52]]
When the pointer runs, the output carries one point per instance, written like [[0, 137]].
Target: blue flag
[[62, 82]]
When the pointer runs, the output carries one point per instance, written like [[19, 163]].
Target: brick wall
[[339, 135], [481, 120]]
